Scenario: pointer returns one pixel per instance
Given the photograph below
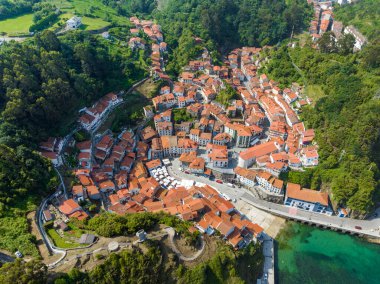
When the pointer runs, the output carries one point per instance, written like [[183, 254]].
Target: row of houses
[[158, 47], [293, 194], [323, 21], [91, 117]]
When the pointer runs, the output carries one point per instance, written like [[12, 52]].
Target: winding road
[[171, 234], [39, 212]]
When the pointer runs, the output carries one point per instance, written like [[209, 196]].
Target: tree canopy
[[31, 272], [43, 83], [364, 15], [226, 24], [10, 8]]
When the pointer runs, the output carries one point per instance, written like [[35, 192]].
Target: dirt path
[[171, 234], [46, 257]]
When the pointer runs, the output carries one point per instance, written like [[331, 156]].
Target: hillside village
[[246, 143], [323, 21]]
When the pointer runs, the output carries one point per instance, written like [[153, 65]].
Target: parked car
[[219, 181], [230, 184], [226, 197], [358, 227], [18, 254], [187, 172], [265, 276]]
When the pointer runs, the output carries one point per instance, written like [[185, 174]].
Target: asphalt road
[[370, 227], [233, 193], [5, 258]]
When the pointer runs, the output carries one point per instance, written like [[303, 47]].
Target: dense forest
[[364, 15], [221, 24], [131, 7], [10, 8], [234, 23], [226, 24], [346, 118], [43, 83]]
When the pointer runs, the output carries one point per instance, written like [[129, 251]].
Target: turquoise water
[[311, 255]]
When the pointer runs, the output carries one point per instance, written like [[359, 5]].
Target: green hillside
[[364, 15], [95, 15]]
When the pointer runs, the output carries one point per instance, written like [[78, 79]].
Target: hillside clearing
[[16, 25]]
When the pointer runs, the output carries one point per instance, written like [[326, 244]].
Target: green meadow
[[16, 25], [101, 17]]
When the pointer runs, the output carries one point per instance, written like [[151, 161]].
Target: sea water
[[311, 255]]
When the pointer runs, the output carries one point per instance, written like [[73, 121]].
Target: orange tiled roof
[[294, 191], [197, 164], [259, 150], [68, 206]]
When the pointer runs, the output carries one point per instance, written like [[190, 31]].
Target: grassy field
[[102, 16], [303, 38], [95, 7], [127, 114], [60, 242], [149, 89], [93, 23], [16, 25], [315, 92]]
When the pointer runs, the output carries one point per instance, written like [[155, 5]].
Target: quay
[[369, 228]]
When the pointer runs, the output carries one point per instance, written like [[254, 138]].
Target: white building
[[307, 199], [242, 134], [270, 184], [245, 176], [74, 23], [195, 134], [360, 40], [217, 155], [249, 156], [309, 157], [93, 116]]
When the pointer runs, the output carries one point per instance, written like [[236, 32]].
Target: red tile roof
[[294, 191]]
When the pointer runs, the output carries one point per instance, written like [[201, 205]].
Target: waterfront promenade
[[370, 228]]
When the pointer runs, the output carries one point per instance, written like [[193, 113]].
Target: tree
[[48, 40], [371, 55], [31, 272], [345, 121], [226, 95], [327, 43], [346, 44]]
